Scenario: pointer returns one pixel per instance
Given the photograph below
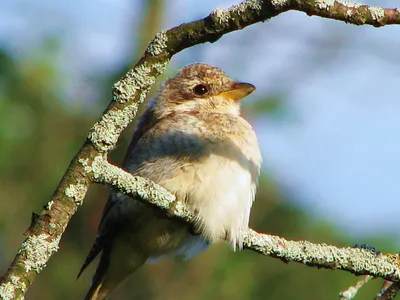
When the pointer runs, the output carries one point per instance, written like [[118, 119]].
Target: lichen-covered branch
[[351, 12], [355, 260], [48, 226], [137, 187]]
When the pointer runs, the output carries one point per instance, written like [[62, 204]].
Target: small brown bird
[[193, 142]]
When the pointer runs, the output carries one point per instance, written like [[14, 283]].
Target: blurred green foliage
[[40, 132]]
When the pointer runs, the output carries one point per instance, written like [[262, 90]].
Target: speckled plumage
[[199, 148]]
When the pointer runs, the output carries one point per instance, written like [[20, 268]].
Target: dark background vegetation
[[41, 130]]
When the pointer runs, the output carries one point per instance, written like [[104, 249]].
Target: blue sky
[[339, 149]]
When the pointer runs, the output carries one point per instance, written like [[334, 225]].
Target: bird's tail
[[93, 293], [114, 267], [96, 292]]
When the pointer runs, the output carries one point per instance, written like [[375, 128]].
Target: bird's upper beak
[[238, 91]]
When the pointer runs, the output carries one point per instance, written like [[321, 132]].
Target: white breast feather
[[221, 190], [225, 192]]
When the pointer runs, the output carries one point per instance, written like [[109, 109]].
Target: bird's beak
[[238, 91]]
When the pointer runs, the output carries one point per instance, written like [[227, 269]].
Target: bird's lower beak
[[238, 91]]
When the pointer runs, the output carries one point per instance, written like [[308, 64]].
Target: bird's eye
[[200, 90]]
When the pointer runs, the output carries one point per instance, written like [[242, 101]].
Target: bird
[[192, 141]]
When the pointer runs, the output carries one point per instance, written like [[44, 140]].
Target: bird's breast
[[219, 183], [211, 163]]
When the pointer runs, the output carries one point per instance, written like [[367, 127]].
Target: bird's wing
[[108, 225], [147, 120], [157, 150], [105, 233]]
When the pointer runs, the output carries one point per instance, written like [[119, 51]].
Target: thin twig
[[352, 291]]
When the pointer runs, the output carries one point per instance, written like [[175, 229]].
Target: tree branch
[[48, 226], [355, 260]]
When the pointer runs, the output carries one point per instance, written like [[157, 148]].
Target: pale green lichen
[[37, 250], [325, 4], [143, 95], [85, 163], [135, 80], [181, 210], [104, 172], [376, 12], [76, 192], [349, 13], [357, 260], [105, 133], [100, 169], [279, 3], [158, 44], [245, 6], [262, 242], [160, 66], [350, 4], [222, 16], [250, 4], [15, 280], [7, 291], [50, 204], [398, 10]]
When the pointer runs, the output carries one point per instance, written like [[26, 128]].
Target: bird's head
[[201, 88]]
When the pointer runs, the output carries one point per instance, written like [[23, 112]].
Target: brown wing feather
[[146, 121], [106, 228]]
